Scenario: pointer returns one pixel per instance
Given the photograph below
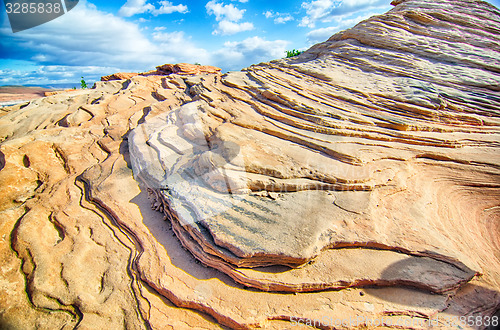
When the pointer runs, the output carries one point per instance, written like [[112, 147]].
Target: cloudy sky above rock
[[100, 37]]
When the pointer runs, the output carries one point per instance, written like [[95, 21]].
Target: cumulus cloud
[[227, 17], [236, 54], [224, 12], [134, 7], [52, 75], [179, 47], [326, 10], [166, 7], [88, 38], [283, 19], [279, 18], [92, 43], [322, 34], [227, 27], [83, 35]]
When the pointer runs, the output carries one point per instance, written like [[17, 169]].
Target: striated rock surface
[[361, 176], [186, 68], [166, 69], [119, 76]]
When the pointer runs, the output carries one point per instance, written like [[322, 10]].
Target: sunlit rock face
[[370, 140], [362, 175]]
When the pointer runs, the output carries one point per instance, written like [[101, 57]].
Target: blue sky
[[100, 37]]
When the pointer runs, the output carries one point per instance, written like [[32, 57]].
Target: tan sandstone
[[357, 181]]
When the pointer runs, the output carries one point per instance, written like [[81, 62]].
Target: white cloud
[[227, 27], [279, 18], [227, 17], [326, 10], [85, 35], [134, 7], [91, 43], [348, 22], [51, 75], [283, 19], [179, 47], [88, 38], [167, 8], [236, 54], [224, 12], [268, 14], [318, 9], [322, 34]]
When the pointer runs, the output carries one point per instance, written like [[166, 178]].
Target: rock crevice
[[362, 176]]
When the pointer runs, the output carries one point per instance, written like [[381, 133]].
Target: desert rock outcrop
[[166, 69], [357, 184], [119, 76], [187, 69]]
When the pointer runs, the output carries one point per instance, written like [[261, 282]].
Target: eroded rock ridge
[[362, 176]]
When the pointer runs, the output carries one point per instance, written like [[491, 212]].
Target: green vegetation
[[197, 63], [292, 53], [83, 84]]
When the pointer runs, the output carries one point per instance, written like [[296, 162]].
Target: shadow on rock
[[2, 160], [162, 231], [425, 276]]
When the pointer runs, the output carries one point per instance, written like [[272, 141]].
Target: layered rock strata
[[119, 76], [362, 176], [166, 69], [274, 167]]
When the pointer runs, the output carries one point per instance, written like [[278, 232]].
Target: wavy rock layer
[[280, 162], [368, 166]]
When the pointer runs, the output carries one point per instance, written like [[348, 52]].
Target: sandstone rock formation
[[186, 68], [166, 69], [356, 185], [119, 76]]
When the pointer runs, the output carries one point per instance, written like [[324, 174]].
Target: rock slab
[[359, 180]]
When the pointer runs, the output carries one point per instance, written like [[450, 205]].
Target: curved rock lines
[[359, 179]]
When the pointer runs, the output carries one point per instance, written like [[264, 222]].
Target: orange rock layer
[[354, 186], [166, 69]]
